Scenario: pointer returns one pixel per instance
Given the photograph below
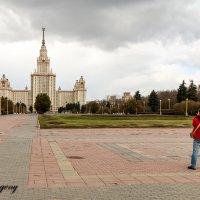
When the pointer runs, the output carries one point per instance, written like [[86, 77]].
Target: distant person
[[196, 143]]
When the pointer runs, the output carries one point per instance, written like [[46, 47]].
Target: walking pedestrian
[[195, 134]]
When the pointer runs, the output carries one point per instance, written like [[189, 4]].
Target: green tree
[[113, 110], [130, 107], [42, 103], [73, 107], [108, 104], [61, 109], [31, 108], [6, 104], [192, 91], [23, 107], [153, 101], [69, 106], [137, 95], [106, 110], [137, 98], [17, 105], [83, 108], [94, 107], [78, 107], [3, 105], [10, 107], [182, 92]]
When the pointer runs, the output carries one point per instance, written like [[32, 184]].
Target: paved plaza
[[55, 164]]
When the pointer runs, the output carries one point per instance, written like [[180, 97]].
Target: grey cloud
[[107, 23]]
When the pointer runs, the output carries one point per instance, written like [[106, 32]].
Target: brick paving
[[94, 163]]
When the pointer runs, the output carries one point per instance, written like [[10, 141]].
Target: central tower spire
[[43, 62], [43, 40]]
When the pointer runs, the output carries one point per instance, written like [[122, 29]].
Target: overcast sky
[[117, 45]]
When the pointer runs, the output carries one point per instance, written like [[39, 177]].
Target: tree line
[[8, 107], [169, 102], [70, 107]]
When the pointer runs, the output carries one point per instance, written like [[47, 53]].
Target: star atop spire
[[43, 40]]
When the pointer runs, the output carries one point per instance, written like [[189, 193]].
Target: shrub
[[180, 108]]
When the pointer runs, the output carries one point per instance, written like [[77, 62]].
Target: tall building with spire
[[43, 80]]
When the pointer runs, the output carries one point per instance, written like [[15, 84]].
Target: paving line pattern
[[66, 167], [15, 162]]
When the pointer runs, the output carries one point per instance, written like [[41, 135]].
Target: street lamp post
[[118, 107], [136, 107], [144, 106], [186, 107], [160, 107], [7, 105], [0, 105]]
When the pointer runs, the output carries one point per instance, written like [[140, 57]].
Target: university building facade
[[43, 80]]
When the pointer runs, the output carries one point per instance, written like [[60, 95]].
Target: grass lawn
[[112, 121]]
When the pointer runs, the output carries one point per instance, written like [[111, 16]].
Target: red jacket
[[195, 123]]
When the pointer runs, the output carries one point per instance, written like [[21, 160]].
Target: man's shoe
[[190, 167]]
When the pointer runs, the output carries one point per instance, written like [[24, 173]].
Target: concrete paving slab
[[94, 163]]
